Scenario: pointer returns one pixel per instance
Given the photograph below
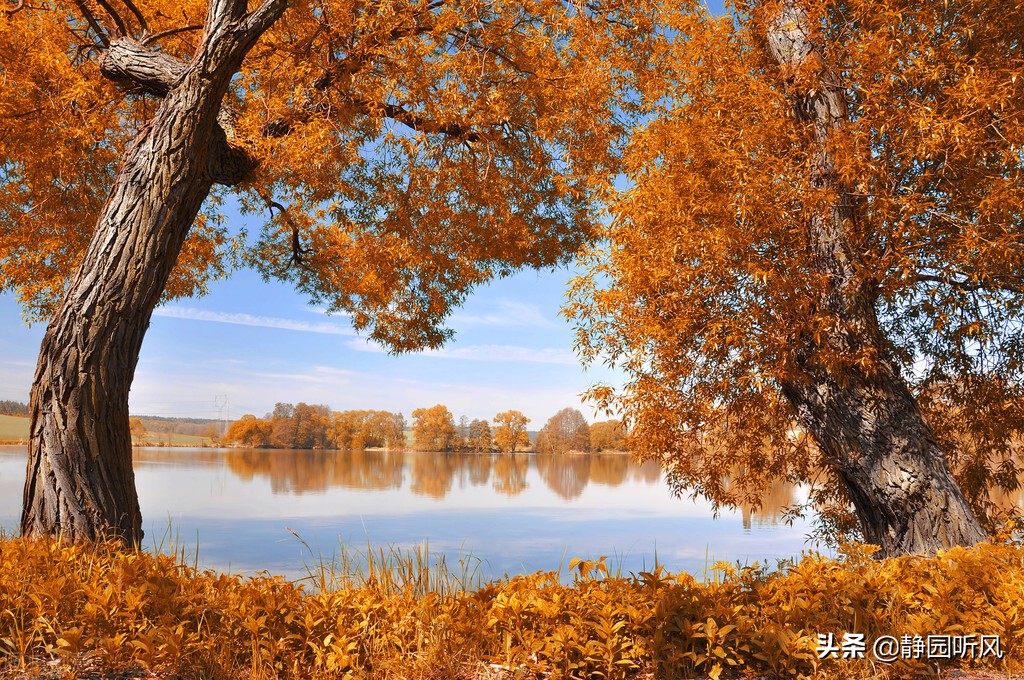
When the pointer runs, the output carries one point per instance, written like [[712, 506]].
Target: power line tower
[[220, 402]]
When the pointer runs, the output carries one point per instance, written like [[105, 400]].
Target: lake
[[512, 514]]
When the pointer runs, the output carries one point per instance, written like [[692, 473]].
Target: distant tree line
[[315, 426], [13, 408], [434, 429]]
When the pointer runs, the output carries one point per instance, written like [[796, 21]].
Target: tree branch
[[11, 11], [149, 40], [138, 15], [114, 16], [94, 24], [130, 62], [967, 285]]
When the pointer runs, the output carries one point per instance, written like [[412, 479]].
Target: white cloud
[[505, 313], [512, 353], [242, 319]]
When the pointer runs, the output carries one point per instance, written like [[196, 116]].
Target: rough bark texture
[[80, 482], [865, 419]]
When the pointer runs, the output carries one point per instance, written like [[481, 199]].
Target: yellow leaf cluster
[[707, 276], [101, 609]]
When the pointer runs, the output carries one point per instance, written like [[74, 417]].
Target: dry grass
[[72, 611]]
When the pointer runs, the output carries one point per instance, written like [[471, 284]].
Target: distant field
[[171, 439], [13, 428]]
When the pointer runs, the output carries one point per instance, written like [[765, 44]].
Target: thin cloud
[[506, 313], [242, 319], [510, 353]]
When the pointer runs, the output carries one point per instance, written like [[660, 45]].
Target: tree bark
[[80, 484], [863, 417]]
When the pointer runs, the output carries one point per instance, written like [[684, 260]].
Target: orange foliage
[[707, 273], [510, 431], [433, 429], [407, 151]]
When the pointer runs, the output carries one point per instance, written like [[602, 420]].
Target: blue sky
[[259, 343]]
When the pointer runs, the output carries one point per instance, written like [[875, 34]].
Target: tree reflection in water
[[302, 471], [435, 474]]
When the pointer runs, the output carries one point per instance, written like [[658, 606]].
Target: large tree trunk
[[80, 482], [862, 416]]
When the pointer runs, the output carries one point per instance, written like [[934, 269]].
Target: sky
[[250, 344]]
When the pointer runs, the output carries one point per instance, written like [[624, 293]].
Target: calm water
[[513, 514]]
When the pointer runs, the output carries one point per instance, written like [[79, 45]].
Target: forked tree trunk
[[865, 419], [80, 484]]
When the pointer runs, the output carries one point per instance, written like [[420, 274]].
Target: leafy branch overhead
[[417, 149]]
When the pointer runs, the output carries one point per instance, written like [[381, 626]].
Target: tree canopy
[[404, 151], [510, 431], [826, 194]]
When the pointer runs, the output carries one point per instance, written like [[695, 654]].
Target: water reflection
[[315, 471], [435, 475], [515, 513], [780, 495]]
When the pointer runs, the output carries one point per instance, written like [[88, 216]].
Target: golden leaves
[[401, 616], [707, 278]]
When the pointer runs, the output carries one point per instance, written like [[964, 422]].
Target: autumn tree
[[480, 436], [815, 271], [283, 426], [510, 431], [137, 428], [357, 430], [311, 423], [400, 152], [607, 435], [565, 431], [433, 429], [250, 431]]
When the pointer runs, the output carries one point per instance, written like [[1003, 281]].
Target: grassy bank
[[13, 429], [69, 610]]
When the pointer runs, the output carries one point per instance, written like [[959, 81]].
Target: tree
[[821, 232], [462, 442], [510, 431], [433, 429], [284, 426], [250, 431], [607, 435], [311, 423], [357, 430], [137, 428], [403, 153], [565, 431], [480, 435]]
